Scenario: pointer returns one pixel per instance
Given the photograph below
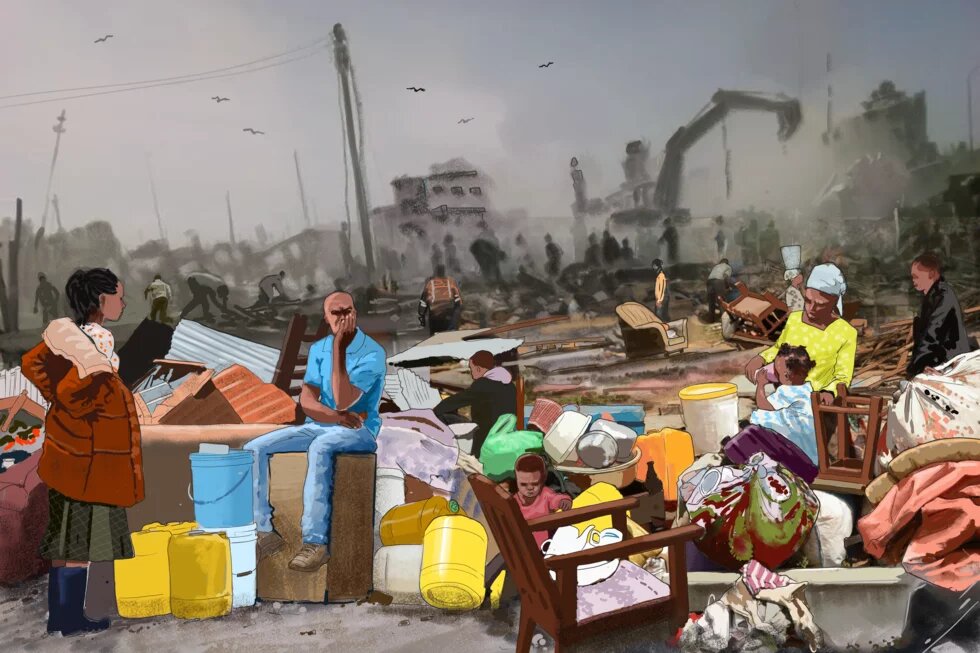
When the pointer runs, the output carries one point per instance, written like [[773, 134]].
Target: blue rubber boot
[[55, 608], [72, 603]]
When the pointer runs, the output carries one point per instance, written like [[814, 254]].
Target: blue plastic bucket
[[222, 493]]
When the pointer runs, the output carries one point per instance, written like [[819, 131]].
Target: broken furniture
[[348, 576], [840, 467], [759, 318], [23, 520], [569, 613], [645, 334]]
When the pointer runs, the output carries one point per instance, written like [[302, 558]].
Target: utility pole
[[302, 194], [830, 99], [342, 60], [57, 211], [59, 129], [969, 102], [231, 221], [156, 205], [13, 301]]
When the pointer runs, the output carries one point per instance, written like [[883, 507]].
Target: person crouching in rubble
[[340, 397], [828, 337], [534, 498], [91, 459], [491, 395], [782, 426]]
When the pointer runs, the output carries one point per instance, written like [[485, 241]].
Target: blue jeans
[[321, 443]]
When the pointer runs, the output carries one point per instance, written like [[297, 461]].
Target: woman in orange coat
[[91, 459]]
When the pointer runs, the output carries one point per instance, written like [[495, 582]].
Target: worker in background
[[721, 240], [661, 293], [593, 253], [769, 243], [610, 248], [553, 254], [626, 252], [669, 240], [491, 395], [270, 289], [159, 294], [794, 292], [345, 249], [46, 295], [486, 250], [441, 303], [938, 331], [719, 281], [205, 289], [452, 259], [437, 259]]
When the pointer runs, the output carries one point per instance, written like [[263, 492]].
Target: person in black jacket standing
[[938, 332], [491, 395]]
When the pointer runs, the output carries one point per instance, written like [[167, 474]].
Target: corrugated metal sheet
[[450, 345], [13, 382], [219, 351]]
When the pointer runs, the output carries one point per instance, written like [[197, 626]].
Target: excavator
[[668, 186]]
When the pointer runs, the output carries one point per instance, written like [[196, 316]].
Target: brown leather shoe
[[310, 558], [269, 543]]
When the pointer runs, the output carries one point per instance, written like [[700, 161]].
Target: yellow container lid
[[703, 391]]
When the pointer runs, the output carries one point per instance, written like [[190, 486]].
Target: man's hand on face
[[345, 331]]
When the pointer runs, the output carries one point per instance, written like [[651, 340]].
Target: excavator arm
[[668, 190]]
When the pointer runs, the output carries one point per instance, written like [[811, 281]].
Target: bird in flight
[[463, 121], [253, 131], [415, 88], [219, 100], [545, 65], [104, 38]]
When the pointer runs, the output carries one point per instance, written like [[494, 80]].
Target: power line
[[182, 81], [168, 79]]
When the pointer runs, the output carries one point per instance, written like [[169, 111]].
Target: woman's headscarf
[[828, 278]]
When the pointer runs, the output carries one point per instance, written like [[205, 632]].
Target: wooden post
[[13, 298]]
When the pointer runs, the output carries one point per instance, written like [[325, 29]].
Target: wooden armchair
[[644, 334], [840, 468], [759, 316], [570, 613]]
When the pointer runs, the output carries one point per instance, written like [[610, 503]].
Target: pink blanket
[[945, 547]]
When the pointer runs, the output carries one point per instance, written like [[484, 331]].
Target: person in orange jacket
[[91, 459]]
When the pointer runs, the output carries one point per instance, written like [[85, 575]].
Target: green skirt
[[79, 531]]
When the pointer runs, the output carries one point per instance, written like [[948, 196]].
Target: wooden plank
[[506, 328]]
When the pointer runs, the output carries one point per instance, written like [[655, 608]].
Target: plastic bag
[[931, 407], [759, 510], [504, 445]]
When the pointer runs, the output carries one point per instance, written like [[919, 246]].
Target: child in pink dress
[[534, 498]]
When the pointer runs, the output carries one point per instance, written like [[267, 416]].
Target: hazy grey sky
[[623, 70]]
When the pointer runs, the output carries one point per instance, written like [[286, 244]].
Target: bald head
[[337, 305]]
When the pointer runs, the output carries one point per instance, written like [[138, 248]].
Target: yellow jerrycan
[[143, 581], [406, 524], [453, 563], [200, 575]]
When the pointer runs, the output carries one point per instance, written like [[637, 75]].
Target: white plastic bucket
[[397, 570], [243, 562], [561, 438], [710, 414], [389, 491]]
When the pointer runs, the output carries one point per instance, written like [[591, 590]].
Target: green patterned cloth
[[79, 531]]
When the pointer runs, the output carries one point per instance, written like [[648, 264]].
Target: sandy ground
[[292, 627]]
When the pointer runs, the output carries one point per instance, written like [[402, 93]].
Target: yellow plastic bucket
[[453, 563], [200, 575], [598, 493], [143, 581]]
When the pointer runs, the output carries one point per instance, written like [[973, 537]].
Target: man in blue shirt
[[340, 397]]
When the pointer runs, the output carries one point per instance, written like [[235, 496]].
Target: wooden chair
[[759, 315], [645, 334], [564, 610], [840, 468]]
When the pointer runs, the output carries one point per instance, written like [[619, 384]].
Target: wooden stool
[[348, 576]]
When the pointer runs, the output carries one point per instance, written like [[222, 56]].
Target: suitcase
[[671, 452], [23, 520], [753, 439]]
